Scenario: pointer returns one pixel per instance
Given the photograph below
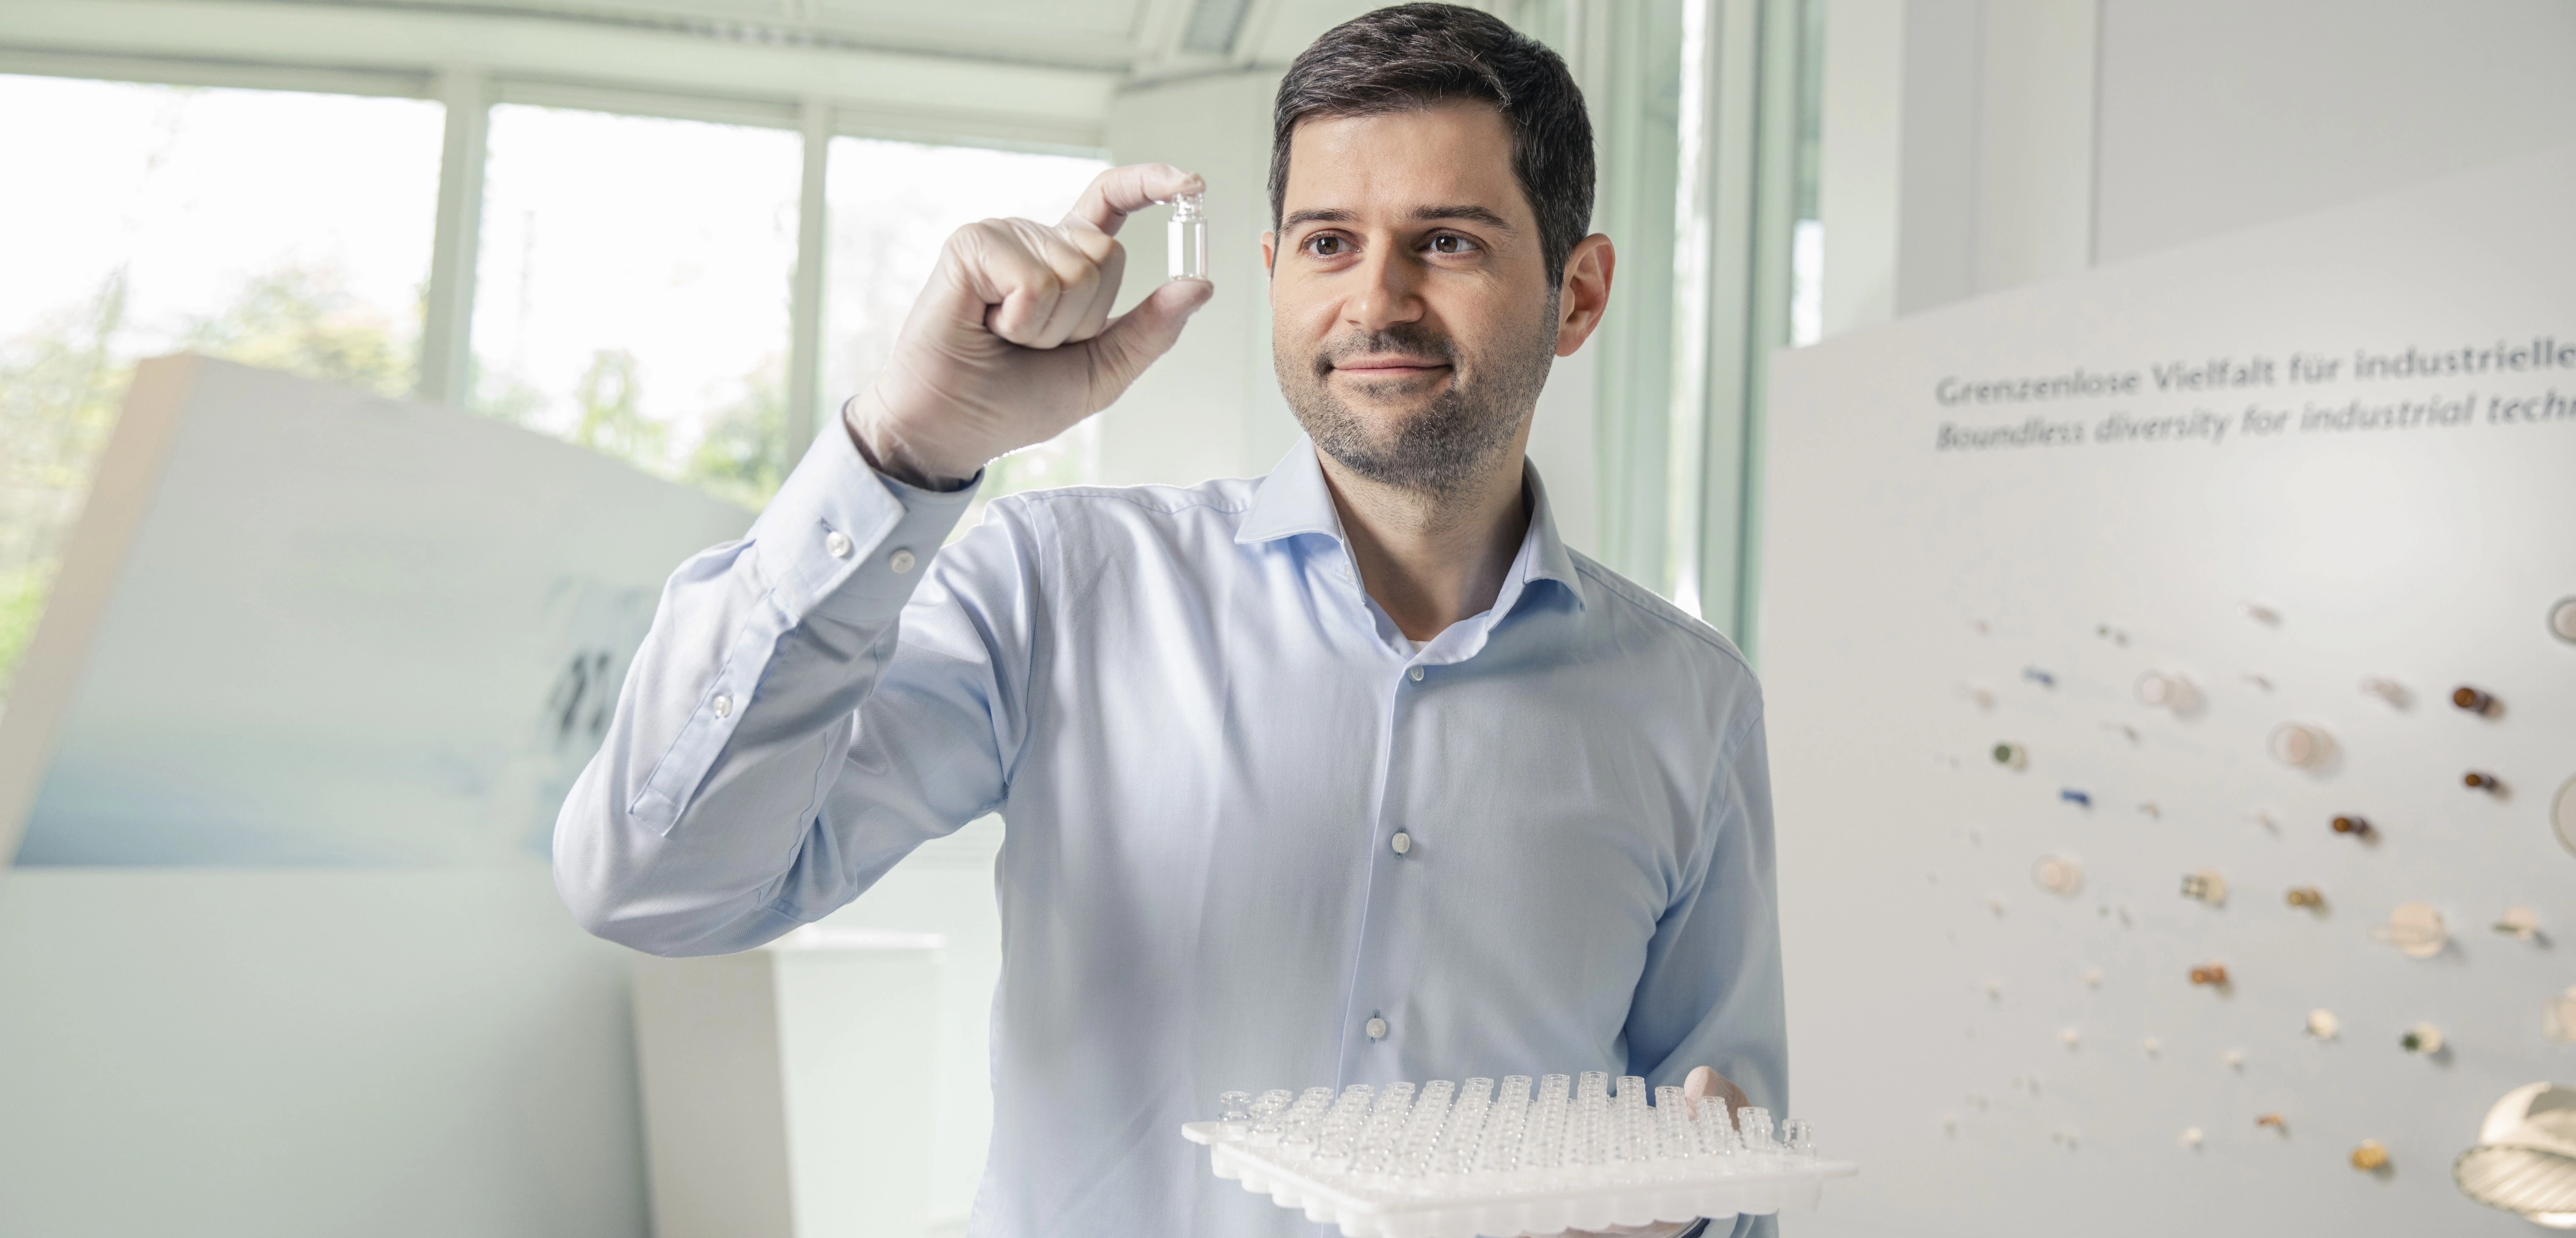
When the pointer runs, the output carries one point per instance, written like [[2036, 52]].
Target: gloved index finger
[[1119, 192]]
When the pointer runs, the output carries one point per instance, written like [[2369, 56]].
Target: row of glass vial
[[1398, 1134]]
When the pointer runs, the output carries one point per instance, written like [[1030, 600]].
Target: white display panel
[[301, 624], [2011, 1060]]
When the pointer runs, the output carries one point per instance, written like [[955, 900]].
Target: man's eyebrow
[[1469, 212], [1312, 216]]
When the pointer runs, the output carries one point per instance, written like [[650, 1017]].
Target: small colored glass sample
[[2473, 700], [2562, 620], [2271, 1120], [2422, 1038], [2558, 1018], [2212, 974], [2521, 922], [2011, 755], [2370, 1157], [2305, 896], [2323, 1024], [2038, 676], [2058, 875], [2388, 690], [2358, 827], [2301, 744], [2479, 780], [2073, 796], [2165, 690], [2416, 930], [2206, 886]]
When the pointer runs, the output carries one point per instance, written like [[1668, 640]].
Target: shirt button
[[1416, 672], [901, 561], [723, 706], [1402, 842], [1377, 1029], [838, 543]]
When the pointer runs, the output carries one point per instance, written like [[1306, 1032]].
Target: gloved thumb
[[1137, 337]]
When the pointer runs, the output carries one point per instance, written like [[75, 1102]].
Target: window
[[633, 288], [149, 219], [893, 205], [632, 292]]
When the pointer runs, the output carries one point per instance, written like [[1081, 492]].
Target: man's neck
[[1432, 559]]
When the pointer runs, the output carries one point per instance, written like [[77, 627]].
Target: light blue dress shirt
[[1205, 741]]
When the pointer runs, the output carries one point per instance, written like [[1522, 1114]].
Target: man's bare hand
[[1012, 342], [1703, 1084]]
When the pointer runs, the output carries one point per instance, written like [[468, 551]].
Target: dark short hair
[[1416, 55]]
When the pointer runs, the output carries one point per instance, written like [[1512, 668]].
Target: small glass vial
[[1189, 237], [2058, 875], [2301, 745]]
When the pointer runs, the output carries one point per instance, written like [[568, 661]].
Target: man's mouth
[[1389, 367]]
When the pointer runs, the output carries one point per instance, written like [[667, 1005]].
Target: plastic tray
[[1542, 1203]]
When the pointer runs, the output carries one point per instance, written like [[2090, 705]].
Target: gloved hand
[[1012, 341]]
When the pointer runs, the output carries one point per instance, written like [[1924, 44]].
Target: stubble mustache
[[1411, 340]]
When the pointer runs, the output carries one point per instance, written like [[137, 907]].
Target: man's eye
[[1450, 243], [1325, 246]]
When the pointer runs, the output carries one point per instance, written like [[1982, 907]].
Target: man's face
[[1412, 319]]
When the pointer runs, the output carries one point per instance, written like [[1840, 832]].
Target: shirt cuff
[[845, 541]]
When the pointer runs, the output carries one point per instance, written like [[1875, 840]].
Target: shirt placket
[[1376, 1024]]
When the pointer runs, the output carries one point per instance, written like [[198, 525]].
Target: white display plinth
[[791, 1091]]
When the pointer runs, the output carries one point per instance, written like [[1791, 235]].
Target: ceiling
[[1141, 38]]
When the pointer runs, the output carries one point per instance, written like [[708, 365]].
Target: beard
[[1444, 444]]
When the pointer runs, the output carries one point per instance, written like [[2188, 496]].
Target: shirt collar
[[1294, 499]]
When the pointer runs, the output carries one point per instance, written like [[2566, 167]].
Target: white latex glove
[[1011, 342], [1700, 1084]]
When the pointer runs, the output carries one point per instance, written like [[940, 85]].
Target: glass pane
[[633, 290], [893, 205], [280, 229]]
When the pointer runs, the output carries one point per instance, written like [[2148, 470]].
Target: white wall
[[1976, 145], [2220, 114], [1210, 407], [1957, 150]]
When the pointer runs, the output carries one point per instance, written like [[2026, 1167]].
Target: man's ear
[[1269, 239], [1585, 295]]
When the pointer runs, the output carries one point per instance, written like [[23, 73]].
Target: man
[[1351, 774]]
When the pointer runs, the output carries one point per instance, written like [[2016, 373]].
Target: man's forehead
[[1402, 162]]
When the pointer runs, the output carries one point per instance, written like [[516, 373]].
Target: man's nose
[[1391, 290]]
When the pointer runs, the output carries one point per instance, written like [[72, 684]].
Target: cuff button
[[838, 543], [901, 561]]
